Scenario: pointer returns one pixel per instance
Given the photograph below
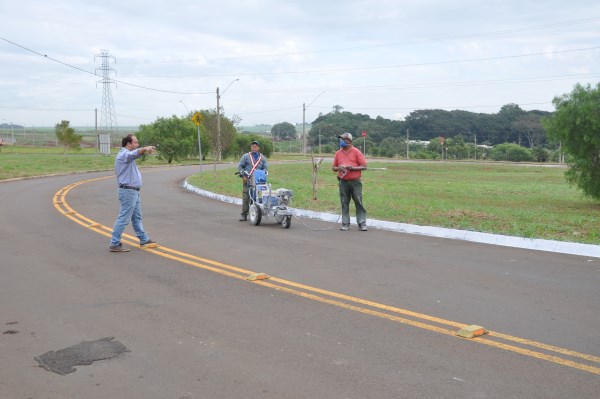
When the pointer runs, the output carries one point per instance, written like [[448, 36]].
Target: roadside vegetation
[[518, 200], [484, 194], [526, 200]]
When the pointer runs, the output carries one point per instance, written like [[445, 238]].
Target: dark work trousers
[[245, 198], [352, 189]]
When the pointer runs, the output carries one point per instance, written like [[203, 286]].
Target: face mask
[[343, 143]]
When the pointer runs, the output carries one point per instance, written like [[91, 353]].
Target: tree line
[[512, 134], [510, 125]]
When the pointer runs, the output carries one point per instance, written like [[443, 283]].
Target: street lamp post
[[303, 128], [304, 121], [218, 153], [186, 108]]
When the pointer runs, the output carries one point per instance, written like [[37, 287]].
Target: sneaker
[[344, 227], [149, 244], [118, 248], [243, 218], [362, 227]]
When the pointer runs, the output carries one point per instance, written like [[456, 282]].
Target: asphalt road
[[344, 314]]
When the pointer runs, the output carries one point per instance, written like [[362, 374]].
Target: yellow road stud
[[471, 331], [257, 276]]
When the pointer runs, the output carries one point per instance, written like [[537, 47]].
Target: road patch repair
[[82, 354]]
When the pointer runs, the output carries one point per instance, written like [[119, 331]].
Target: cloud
[[374, 57]]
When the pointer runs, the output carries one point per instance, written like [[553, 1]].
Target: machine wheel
[[255, 214], [286, 222], [279, 218]]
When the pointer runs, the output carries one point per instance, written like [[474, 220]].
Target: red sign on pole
[[364, 133]]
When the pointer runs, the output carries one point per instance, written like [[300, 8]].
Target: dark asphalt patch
[[82, 354]]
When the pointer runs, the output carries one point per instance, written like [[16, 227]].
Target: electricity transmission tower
[[108, 117]]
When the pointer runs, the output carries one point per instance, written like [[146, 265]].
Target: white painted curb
[[563, 247]]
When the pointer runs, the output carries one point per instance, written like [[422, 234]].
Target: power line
[[333, 70], [367, 68], [421, 41], [95, 74], [425, 85], [544, 53]]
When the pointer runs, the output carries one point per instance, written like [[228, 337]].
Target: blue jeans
[[352, 189], [131, 210]]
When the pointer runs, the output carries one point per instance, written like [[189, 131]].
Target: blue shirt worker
[[250, 162], [129, 181]]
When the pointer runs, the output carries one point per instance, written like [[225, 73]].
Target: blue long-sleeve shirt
[[126, 168], [245, 164]]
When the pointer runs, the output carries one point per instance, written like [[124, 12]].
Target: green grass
[[41, 161], [512, 199], [516, 200]]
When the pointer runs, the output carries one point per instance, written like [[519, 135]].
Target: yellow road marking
[[334, 298]]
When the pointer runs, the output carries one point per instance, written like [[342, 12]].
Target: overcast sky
[[376, 57]]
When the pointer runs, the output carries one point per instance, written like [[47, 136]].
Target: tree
[[391, 147], [529, 125], [67, 137], [227, 134], [284, 130], [241, 144], [576, 123], [174, 137], [335, 123]]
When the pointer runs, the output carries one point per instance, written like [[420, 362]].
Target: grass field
[[512, 199], [516, 200], [39, 161]]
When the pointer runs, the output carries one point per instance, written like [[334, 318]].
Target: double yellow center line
[[538, 350]]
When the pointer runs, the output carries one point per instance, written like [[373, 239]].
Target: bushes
[[541, 154], [512, 153]]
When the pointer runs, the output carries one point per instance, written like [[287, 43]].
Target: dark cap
[[345, 135], [256, 142]]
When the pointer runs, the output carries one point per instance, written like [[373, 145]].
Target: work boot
[[243, 218]]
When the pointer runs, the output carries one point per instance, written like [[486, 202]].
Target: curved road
[[344, 314]]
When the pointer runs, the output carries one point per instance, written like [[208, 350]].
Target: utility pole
[[304, 128], [407, 145], [272, 139], [96, 130], [304, 121], [218, 154], [319, 141]]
